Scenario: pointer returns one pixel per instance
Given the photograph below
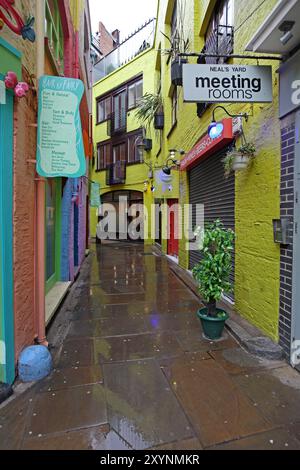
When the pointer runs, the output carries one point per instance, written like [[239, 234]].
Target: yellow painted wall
[[257, 190]]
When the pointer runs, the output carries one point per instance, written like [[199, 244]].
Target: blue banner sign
[[60, 148]]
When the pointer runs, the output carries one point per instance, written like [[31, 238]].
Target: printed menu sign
[[60, 148]]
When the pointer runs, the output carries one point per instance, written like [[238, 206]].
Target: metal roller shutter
[[208, 186]]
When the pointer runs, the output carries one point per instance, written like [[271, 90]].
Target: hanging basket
[[240, 162]]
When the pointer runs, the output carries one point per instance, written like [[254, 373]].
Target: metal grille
[[208, 186]]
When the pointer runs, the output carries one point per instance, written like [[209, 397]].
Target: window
[[119, 120], [174, 32], [174, 106], [54, 33], [135, 93], [135, 153], [219, 36], [119, 153], [103, 109], [103, 157]]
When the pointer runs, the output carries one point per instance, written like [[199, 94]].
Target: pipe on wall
[[40, 281]]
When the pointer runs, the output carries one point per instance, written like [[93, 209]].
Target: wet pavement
[[134, 371]]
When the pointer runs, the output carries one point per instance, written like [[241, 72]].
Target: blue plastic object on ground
[[35, 363]]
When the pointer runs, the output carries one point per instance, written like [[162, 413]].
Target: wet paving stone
[[194, 340], [276, 439], [71, 377], [95, 438], [66, 410], [106, 327], [136, 372], [141, 405], [13, 418], [118, 348], [189, 444], [236, 361], [217, 408], [276, 393], [169, 322]]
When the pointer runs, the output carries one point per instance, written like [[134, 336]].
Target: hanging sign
[[207, 146], [95, 195], [227, 83], [2, 92], [60, 149]]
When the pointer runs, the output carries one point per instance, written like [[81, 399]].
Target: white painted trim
[[271, 23]]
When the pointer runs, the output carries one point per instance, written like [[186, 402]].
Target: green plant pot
[[213, 327]]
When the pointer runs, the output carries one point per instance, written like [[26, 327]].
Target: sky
[[125, 15]]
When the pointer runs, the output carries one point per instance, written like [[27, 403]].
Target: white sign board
[[227, 83]]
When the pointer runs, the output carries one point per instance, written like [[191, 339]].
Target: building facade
[[248, 202], [66, 54]]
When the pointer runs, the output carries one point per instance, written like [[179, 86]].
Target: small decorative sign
[[2, 92], [95, 195], [227, 83], [60, 149]]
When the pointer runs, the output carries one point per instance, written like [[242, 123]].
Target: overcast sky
[[120, 14]]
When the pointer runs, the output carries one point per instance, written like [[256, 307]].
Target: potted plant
[[150, 110], [212, 275], [239, 158]]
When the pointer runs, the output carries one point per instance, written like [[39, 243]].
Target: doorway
[[173, 235], [7, 360], [295, 333]]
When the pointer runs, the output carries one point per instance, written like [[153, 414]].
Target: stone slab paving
[[134, 371]]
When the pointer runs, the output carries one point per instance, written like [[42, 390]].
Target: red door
[[173, 241]]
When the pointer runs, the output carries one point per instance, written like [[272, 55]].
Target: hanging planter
[[239, 159], [159, 121], [177, 71]]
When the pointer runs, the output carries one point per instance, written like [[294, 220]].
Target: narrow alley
[[133, 371]]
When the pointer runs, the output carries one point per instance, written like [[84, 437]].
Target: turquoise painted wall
[[7, 371]]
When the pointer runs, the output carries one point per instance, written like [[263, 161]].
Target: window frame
[[134, 84], [55, 34], [134, 135], [213, 26], [101, 100], [174, 107], [100, 166]]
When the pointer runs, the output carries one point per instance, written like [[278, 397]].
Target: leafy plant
[[149, 105], [248, 150], [212, 273]]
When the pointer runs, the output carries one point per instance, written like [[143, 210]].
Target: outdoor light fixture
[[167, 169], [215, 128], [286, 28]]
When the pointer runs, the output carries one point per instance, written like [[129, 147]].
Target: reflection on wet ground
[[135, 372]]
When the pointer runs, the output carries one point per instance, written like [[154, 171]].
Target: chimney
[[116, 35]]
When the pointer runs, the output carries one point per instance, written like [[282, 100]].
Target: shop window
[[103, 157], [135, 153], [135, 93], [103, 109], [54, 33], [219, 37]]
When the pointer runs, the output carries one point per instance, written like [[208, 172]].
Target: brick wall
[[24, 188], [107, 42], [287, 210]]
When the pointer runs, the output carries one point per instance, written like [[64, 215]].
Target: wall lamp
[[286, 28], [172, 158], [215, 128]]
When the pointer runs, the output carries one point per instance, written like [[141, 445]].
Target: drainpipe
[[40, 280]]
